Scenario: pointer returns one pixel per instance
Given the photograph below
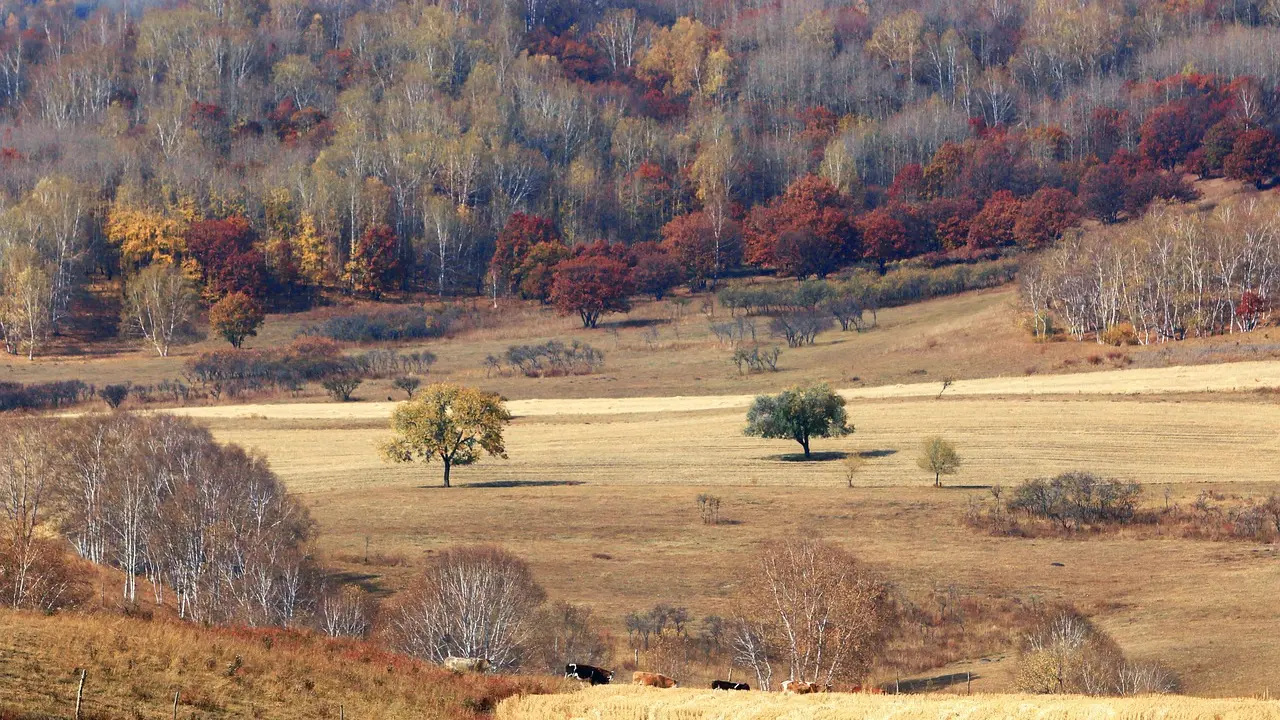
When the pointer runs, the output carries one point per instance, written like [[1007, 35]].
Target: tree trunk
[[805, 444], [447, 465], [937, 479]]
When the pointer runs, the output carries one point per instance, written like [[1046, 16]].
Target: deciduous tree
[[590, 287], [452, 423], [160, 304], [938, 457], [800, 414], [236, 317]]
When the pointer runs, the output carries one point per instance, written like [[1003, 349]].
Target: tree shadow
[[635, 323], [883, 452], [522, 483], [964, 487], [367, 582], [825, 456], [936, 682]]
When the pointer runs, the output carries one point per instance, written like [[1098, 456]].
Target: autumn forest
[[268, 151]]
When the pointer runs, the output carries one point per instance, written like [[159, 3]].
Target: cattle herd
[[600, 676]]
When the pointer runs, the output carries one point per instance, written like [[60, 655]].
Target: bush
[[553, 358], [1065, 653], [408, 384], [800, 328], [1074, 499], [756, 360], [307, 359], [1119, 335], [41, 396], [340, 388], [386, 324], [114, 395]]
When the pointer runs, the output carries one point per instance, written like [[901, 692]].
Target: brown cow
[[800, 687], [653, 680]]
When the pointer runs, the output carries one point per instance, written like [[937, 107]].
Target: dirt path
[[1228, 377]]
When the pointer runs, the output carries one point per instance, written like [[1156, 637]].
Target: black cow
[[728, 685], [588, 673]]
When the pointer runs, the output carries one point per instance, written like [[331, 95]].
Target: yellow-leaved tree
[[145, 236], [454, 423]]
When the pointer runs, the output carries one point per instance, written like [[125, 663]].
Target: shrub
[[1065, 653], [407, 384], [553, 358], [40, 396], [1074, 499], [386, 324], [114, 395], [800, 328], [341, 387], [756, 360], [1119, 335]]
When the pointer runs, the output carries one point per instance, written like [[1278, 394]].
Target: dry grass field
[[623, 486], [599, 491], [632, 703], [135, 668]]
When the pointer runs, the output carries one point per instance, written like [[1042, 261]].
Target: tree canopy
[[800, 413], [452, 423]]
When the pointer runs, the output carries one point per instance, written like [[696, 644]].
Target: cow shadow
[[937, 682]]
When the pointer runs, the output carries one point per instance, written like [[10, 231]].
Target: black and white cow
[[728, 685], [588, 673]]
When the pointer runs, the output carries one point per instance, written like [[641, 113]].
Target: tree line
[[1175, 274], [280, 149]]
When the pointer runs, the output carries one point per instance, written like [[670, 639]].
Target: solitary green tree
[[939, 457], [798, 414], [453, 423]]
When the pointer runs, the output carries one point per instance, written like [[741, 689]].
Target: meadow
[[681, 704], [599, 492]]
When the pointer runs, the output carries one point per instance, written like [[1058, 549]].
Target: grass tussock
[[135, 667], [618, 703]]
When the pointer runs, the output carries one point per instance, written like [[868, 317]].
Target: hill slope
[[135, 667]]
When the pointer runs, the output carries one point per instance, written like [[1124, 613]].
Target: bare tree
[[812, 610], [160, 304], [472, 602]]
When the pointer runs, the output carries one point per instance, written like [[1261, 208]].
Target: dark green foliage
[[800, 414]]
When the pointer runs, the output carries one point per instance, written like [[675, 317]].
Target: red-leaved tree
[[1254, 158], [1044, 216], [810, 205], [521, 232], [704, 247], [993, 225], [228, 258], [374, 266], [591, 286]]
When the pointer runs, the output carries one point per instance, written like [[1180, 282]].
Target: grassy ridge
[[637, 703], [135, 667]]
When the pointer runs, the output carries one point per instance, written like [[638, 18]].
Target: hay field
[[623, 486], [631, 703]]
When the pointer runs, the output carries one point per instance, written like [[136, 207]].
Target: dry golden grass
[[135, 667], [624, 486], [599, 491], [637, 703], [974, 335]]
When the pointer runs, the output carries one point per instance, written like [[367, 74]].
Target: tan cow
[[461, 665], [800, 687], [653, 680]]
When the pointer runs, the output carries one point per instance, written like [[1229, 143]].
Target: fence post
[[80, 691], [968, 682], [176, 694]]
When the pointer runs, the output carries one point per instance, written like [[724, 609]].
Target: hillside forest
[[278, 151]]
